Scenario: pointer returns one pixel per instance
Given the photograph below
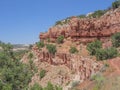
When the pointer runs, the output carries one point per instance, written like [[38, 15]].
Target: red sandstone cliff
[[86, 30], [82, 30]]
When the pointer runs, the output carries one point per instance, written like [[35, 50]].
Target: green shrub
[[63, 22], [73, 50], [74, 83], [116, 40], [51, 48], [112, 52], [35, 69], [60, 39], [40, 44], [36, 87], [99, 81], [81, 16], [7, 87], [30, 56], [93, 46], [49, 86], [116, 4], [32, 66], [42, 73], [19, 54], [30, 62], [98, 13], [103, 54], [58, 88], [58, 23]]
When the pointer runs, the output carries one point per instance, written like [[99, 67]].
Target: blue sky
[[21, 21]]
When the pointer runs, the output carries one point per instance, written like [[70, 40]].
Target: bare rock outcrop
[[86, 30]]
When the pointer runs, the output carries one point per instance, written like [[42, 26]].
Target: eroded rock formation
[[82, 66], [86, 30], [77, 30]]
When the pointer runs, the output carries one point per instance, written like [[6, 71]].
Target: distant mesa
[[17, 47]]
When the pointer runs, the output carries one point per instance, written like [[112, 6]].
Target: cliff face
[[86, 30]]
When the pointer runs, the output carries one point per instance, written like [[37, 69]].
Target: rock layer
[[86, 30]]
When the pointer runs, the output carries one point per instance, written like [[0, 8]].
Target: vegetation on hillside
[[116, 4], [95, 48], [42, 73], [51, 48], [14, 75], [108, 53], [62, 22], [49, 86], [60, 39], [99, 81], [19, 54], [73, 50], [30, 56], [82, 16], [40, 44], [116, 40], [97, 14]]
